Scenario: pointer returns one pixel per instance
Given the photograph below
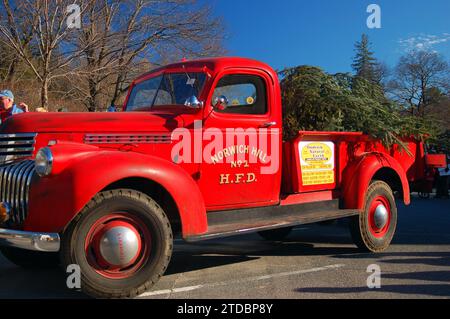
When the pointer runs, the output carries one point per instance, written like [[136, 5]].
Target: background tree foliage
[[365, 64], [317, 101], [48, 63]]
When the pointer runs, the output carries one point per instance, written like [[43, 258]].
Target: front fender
[[358, 175], [55, 200]]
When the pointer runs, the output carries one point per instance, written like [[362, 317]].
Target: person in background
[[7, 106]]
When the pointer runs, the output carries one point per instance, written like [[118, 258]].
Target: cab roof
[[216, 64]]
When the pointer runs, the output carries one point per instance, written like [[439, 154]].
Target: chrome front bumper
[[44, 242]]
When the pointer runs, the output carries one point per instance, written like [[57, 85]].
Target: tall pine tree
[[365, 64]]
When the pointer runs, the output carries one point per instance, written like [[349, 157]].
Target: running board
[[245, 221]]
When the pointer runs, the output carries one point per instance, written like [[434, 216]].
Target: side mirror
[[220, 103], [193, 102]]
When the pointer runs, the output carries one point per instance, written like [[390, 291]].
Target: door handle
[[268, 124]]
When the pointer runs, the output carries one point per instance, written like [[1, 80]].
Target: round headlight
[[44, 162]]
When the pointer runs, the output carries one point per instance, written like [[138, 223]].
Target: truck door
[[242, 137]]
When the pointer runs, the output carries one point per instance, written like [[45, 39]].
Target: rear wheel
[[276, 234], [122, 242], [374, 228]]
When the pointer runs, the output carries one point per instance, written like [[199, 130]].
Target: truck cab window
[[246, 94], [143, 94], [167, 89]]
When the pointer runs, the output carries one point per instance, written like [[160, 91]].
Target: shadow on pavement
[[439, 276], [441, 290], [19, 283], [424, 258]]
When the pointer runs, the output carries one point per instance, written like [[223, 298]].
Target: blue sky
[[287, 33]]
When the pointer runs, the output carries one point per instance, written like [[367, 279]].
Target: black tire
[[30, 259], [362, 230], [153, 221], [276, 234]]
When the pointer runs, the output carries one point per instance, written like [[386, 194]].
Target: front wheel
[[374, 228], [122, 241]]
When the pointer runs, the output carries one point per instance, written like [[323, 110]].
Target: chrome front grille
[[15, 180], [16, 146]]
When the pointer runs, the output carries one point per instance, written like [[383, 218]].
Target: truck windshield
[[166, 89]]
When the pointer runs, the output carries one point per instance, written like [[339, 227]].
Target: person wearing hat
[[7, 106]]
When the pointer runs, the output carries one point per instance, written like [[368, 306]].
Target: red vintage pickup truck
[[197, 151]]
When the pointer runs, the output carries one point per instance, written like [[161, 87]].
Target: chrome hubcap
[[119, 246], [381, 216]]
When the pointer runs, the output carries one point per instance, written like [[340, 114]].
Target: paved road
[[314, 262]]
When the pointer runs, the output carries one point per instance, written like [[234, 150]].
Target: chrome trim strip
[[15, 186], [15, 180], [8, 188], [28, 183], [11, 184], [5, 177], [18, 135], [132, 135], [25, 190], [2, 171], [16, 142], [16, 146], [44, 242], [128, 138], [18, 203], [16, 149]]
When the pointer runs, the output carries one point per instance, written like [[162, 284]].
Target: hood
[[93, 122]]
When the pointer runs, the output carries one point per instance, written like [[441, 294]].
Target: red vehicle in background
[[425, 176], [198, 151]]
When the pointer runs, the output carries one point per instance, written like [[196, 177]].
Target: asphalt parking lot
[[316, 261]]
